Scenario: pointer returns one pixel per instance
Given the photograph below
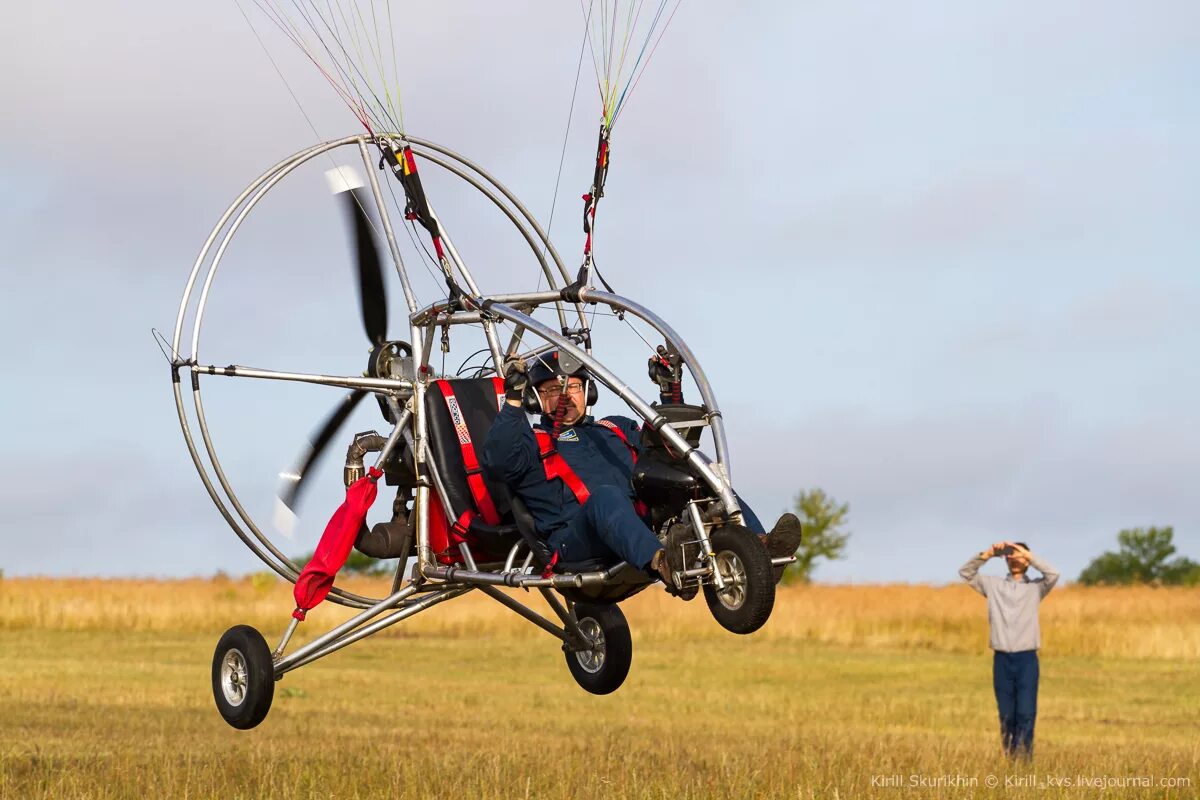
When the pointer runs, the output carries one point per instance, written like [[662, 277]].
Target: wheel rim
[[733, 573], [591, 660], [234, 677]]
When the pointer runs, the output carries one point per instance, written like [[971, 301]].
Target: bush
[[822, 519], [1142, 558]]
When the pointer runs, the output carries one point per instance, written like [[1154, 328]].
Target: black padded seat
[[477, 402]]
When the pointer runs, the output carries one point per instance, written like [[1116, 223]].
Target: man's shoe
[[783, 540], [682, 550]]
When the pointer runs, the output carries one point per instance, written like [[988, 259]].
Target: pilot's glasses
[[574, 388]]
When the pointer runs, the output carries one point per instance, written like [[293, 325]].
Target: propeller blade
[[293, 483], [371, 293]]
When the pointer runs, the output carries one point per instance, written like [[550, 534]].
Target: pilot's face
[[550, 391]]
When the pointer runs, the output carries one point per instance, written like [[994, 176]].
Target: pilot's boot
[[783, 540]]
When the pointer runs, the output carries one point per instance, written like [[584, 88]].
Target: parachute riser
[[590, 202], [397, 155], [592, 199]]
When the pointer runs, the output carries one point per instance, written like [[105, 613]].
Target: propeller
[[372, 299]]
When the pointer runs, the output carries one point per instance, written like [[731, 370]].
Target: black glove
[[516, 379]]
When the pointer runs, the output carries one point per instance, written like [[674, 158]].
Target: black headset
[[532, 403]]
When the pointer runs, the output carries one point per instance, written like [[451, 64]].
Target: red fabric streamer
[[316, 579]]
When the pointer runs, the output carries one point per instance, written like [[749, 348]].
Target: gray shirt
[[1012, 604]]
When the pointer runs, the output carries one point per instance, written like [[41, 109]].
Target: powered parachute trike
[[453, 528]]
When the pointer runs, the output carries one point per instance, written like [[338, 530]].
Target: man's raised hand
[[516, 379]]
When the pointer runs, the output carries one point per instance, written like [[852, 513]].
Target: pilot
[[574, 472]]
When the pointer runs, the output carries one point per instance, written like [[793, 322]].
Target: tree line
[[1143, 555]]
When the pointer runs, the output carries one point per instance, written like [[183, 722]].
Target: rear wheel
[[745, 602], [602, 668], [243, 677]]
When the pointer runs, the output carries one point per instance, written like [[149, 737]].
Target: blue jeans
[[1015, 679]]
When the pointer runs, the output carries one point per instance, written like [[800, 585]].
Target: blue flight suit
[[606, 526]]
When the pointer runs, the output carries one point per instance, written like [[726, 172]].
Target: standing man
[[1014, 636]]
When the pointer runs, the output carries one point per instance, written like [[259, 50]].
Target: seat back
[[474, 406], [476, 402]]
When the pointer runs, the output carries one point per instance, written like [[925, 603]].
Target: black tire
[[601, 670], [243, 677], [746, 602]]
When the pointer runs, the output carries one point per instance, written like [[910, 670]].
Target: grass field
[[849, 692]]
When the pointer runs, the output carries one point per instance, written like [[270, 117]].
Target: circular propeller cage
[[405, 392]]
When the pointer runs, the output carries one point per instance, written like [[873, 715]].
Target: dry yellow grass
[[1133, 622], [104, 694]]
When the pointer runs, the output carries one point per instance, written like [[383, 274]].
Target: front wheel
[[602, 668], [243, 677], [745, 602]]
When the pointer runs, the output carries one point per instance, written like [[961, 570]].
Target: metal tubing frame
[[358, 628], [522, 580], [489, 327], [386, 221], [423, 323], [226, 227], [576, 580], [284, 664], [705, 542], [520, 207], [557, 298], [399, 388], [412, 423], [566, 613], [229, 222], [429, 315], [715, 478], [370, 621], [524, 611], [689, 358]]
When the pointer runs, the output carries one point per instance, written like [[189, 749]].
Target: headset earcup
[[531, 402], [593, 394]]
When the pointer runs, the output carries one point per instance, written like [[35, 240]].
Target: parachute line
[[621, 28], [562, 156], [344, 42]]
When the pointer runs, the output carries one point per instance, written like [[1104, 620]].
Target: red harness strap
[[557, 467], [612, 426], [639, 505], [479, 490]]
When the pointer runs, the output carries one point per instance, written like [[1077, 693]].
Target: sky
[[937, 260]]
